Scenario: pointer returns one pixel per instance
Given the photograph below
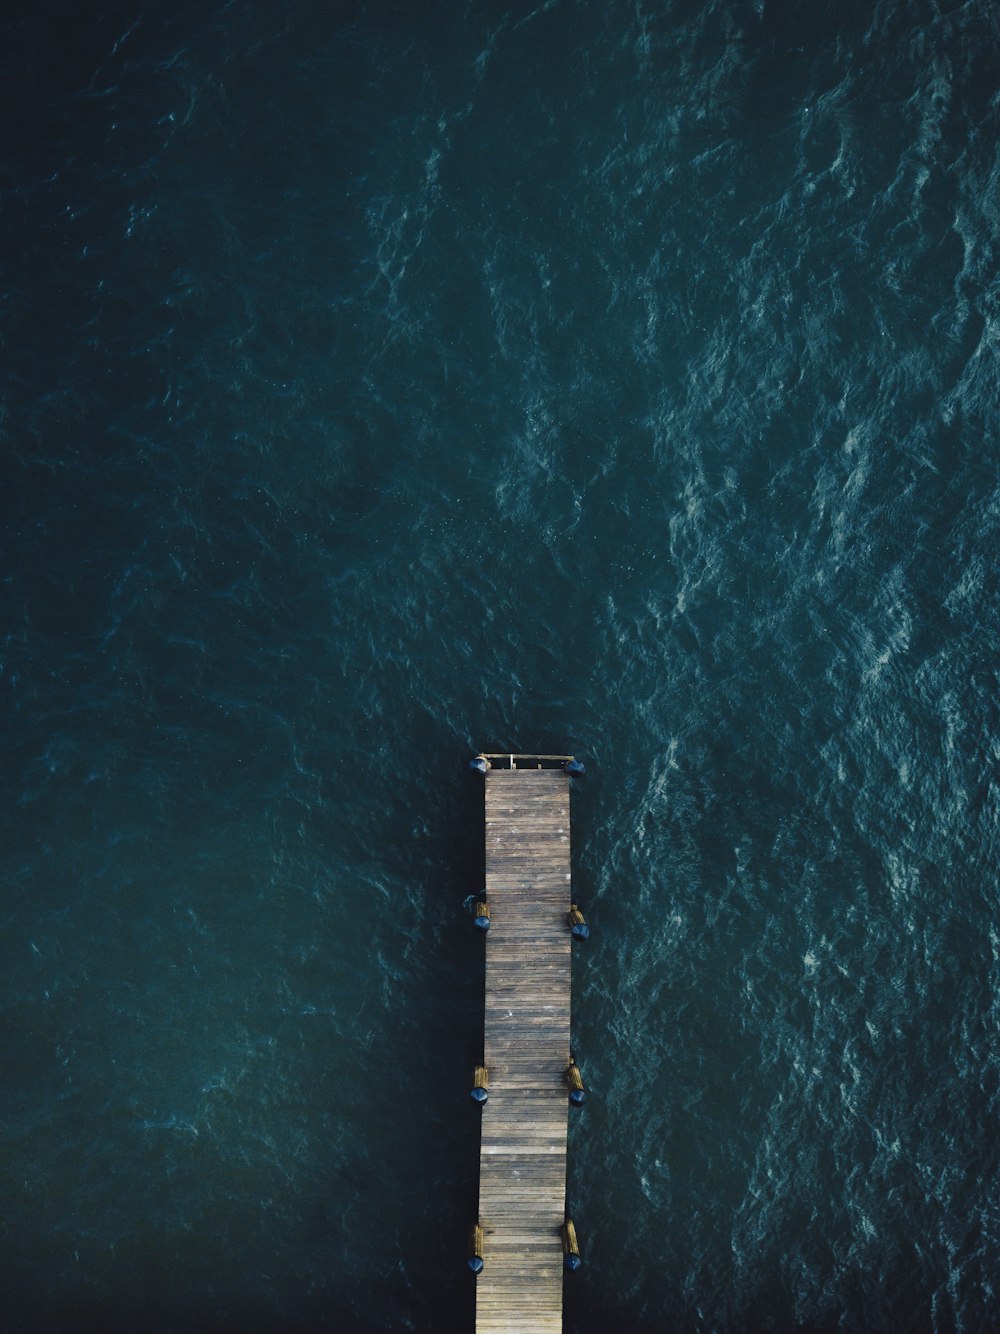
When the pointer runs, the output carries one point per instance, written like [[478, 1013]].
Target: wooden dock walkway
[[522, 1163]]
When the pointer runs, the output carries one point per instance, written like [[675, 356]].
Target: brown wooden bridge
[[522, 1163]]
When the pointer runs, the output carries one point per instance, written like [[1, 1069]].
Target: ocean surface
[[382, 382]]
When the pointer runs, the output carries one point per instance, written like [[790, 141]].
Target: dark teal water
[[383, 382]]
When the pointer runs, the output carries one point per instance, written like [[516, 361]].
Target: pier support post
[[574, 1081], [480, 1085], [476, 1249], [481, 915], [571, 1247], [578, 923]]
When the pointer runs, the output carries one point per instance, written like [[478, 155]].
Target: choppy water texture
[[388, 381]]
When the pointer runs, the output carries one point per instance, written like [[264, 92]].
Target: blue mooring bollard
[[575, 768], [480, 764]]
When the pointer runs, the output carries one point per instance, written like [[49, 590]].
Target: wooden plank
[[522, 1173]]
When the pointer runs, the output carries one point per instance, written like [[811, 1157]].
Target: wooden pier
[[522, 1163]]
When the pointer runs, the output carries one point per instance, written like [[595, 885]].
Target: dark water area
[[386, 382]]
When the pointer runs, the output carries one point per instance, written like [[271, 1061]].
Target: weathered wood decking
[[522, 1164]]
